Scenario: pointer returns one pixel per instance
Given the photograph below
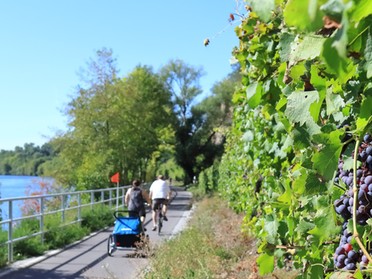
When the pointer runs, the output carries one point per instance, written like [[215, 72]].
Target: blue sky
[[44, 45]]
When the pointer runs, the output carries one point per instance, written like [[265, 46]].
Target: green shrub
[[97, 219], [28, 248], [58, 237], [3, 256]]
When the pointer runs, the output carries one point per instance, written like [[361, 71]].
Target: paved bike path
[[88, 259]]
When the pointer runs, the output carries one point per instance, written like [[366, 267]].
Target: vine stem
[[355, 196]]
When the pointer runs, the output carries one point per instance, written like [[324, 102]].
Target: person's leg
[[143, 218], [154, 219], [165, 208]]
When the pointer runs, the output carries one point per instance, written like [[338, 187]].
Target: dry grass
[[212, 246]]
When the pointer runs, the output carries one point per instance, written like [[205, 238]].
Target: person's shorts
[[157, 202], [141, 213]]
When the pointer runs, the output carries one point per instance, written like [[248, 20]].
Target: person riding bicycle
[[135, 199], [159, 194]]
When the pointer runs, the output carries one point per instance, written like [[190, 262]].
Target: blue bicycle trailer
[[128, 232]]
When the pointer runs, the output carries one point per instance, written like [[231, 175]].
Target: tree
[[199, 130], [182, 81], [115, 124]]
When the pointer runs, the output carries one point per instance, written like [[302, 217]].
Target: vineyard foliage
[[306, 98]]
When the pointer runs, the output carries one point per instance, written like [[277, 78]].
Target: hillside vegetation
[[298, 160]]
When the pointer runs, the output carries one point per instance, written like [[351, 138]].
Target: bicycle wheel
[[160, 222], [110, 245]]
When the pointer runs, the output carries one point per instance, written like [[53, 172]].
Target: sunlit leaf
[[361, 10], [307, 48], [271, 227], [311, 16], [266, 263], [299, 104], [263, 8], [368, 53], [326, 160], [254, 93], [334, 102], [365, 113], [324, 226], [335, 62]]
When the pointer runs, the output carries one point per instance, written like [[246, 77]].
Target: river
[[13, 186]]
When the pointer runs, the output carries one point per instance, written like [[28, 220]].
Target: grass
[[212, 246]]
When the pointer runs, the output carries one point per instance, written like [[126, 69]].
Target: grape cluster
[[345, 257]]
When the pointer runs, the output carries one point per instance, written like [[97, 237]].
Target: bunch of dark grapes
[[345, 257]]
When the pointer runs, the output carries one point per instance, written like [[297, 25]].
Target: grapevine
[[299, 129], [356, 203]]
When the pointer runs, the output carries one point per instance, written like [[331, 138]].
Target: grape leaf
[[335, 63], [303, 227], [298, 106], [285, 46], [368, 54], [326, 160], [286, 196], [334, 102], [307, 48], [291, 223], [254, 93], [362, 10], [365, 113], [266, 263], [271, 227], [341, 39], [324, 226], [263, 8], [316, 271], [311, 16], [300, 181], [313, 185]]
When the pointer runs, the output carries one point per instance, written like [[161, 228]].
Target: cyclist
[[159, 194]]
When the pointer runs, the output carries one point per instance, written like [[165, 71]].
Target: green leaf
[[365, 113], [298, 109], [300, 181], [334, 9], [303, 227], [325, 226], [265, 263], [286, 196], [313, 185], [254, 94], [291, 223], [309, 47], [362, 9], [334, 102], [340, 39], [311, 16], [334, 61], [326, 160], [263, 8], [316, 271], [285, 46], [368, 54], [298, 106], [248, 136], [271, 227]]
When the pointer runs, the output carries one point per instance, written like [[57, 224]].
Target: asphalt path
[[88, 258]]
